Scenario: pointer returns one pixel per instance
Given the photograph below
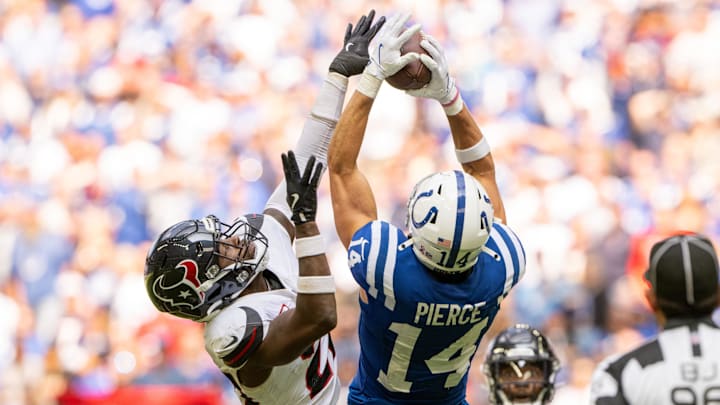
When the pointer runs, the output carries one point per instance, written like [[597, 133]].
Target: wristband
[[455, 105], [473, 153], [309, 246], [316, 285], [369, 85]]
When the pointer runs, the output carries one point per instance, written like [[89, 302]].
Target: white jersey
[[680, 366], [237, 331]]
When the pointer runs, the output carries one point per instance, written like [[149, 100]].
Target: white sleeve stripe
[[372, 258], [518, 248], [505, 254], [389, 271]]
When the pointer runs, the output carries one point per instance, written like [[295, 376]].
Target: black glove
[[301, 193], [353, 58]]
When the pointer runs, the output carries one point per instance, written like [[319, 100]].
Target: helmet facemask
[[520, 381], [520, 367], [449, 216], [250, 248], [242, 250]]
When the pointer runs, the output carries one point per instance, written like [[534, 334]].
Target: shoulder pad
[[242, 343]]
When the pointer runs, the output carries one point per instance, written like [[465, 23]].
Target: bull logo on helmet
[[182, 292]]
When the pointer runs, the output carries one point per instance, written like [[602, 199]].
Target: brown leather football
[[415, 75]]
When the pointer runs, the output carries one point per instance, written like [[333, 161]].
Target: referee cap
[[683, 274]]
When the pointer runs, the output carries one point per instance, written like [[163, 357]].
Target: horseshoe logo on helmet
[[429, 216]]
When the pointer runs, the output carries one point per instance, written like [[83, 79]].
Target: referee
[[682, 364]]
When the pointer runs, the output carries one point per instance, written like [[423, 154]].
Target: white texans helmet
[[449, 217]]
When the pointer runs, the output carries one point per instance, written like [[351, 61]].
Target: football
[[415, 75]]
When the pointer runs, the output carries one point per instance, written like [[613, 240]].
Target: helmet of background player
[[183, 276], [449, 217], [520, 367]]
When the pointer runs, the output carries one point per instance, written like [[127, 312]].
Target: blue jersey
[[418, 334]]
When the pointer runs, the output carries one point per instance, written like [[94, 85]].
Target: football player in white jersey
[[267, 308]]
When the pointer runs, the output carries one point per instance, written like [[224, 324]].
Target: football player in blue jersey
[[429, 296]]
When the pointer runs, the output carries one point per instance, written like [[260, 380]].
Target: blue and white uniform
[[418, 334]]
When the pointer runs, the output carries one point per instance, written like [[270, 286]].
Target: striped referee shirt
[[680, 366]]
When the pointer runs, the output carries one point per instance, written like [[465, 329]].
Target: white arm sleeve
[[316, 134], [324, 115], [277, 200]]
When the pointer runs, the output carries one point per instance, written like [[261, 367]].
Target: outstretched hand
[[301, 191], [353, 58], [442, 85], [385, 56]]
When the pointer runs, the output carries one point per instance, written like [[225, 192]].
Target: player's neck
[[451, 277], [259, 284]]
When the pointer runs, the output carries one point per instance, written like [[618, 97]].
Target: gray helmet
[[182, 275]]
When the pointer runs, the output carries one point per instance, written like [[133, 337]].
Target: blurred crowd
[[119, 118]]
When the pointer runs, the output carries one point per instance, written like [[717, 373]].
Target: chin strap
[[491, 252], [204, 287]]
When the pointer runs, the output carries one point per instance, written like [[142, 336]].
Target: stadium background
[[118, 118]]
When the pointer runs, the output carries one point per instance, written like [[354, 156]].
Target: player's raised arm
[[471, 146], [314, 315], [353, 200], [318, 129]]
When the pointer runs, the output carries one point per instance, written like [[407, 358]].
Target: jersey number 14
[[395, 379]]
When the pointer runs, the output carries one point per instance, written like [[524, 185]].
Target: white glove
[[442, 86], [385, 57]]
